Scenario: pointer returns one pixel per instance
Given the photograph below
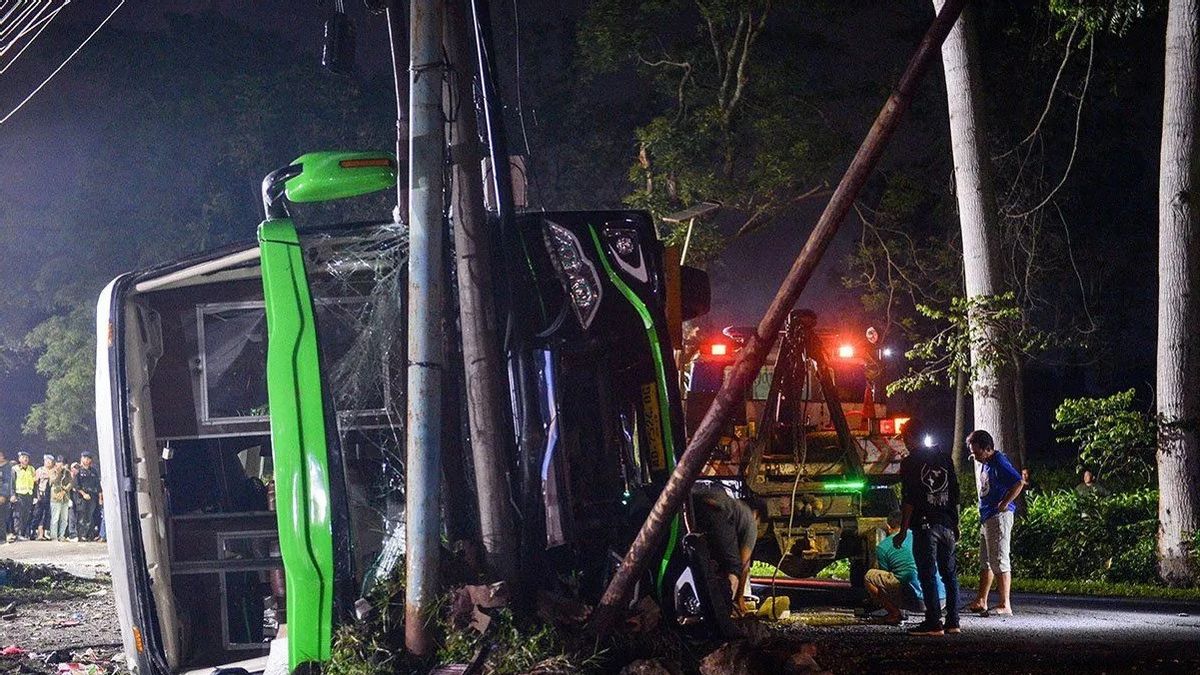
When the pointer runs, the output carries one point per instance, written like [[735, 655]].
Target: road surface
[[1046, 634]]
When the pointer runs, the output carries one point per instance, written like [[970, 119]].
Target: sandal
[[976, 607]]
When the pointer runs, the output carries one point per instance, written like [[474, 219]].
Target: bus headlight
[[577, 274]]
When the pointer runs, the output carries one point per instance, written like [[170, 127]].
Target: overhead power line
[[63, 64]]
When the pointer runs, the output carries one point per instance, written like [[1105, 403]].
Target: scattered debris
[[768, 657], [647, 667], [562, 611]]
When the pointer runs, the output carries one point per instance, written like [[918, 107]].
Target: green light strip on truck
[[661, 374], [298, 443], [844, 485]]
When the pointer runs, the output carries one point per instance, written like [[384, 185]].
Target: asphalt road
[[1046, 634]]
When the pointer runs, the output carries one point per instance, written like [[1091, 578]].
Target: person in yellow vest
[[24, 481]]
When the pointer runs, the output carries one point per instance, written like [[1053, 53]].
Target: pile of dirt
[[21, 584]]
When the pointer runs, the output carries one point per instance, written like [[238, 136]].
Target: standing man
[[73, 506], [999, 485], [24, 482], [930, 507], [41, 499], [6, 496], [61, 486], [87, 486]]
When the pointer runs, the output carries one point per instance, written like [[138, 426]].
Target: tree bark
[[1178, 357], [960, 422], [1018, 381], [482, 362], [991, 383]]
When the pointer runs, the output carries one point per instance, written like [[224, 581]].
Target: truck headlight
[[575, 271]]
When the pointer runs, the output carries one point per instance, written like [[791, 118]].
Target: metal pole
[[425, 357], [482, 362], [395, 21], [751, 358], [687, 241]]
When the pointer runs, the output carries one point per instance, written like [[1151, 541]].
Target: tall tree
[[992, 386], [1178, 286]]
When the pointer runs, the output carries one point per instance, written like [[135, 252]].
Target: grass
[[1100, 589]]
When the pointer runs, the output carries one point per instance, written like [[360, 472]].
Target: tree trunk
[[991, 383], [1018, 381], [1178, 398], [483, 365], [960, 422]]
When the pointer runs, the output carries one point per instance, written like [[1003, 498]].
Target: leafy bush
[[1080, 538], [1114, 440]]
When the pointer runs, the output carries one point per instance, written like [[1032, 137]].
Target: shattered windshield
[[357, 279]]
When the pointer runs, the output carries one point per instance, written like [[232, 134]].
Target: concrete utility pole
[[482, 362], [750, 359], [395, 22], [425, 355]]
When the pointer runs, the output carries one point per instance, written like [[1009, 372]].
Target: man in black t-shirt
[[930, 508], [732, 529]]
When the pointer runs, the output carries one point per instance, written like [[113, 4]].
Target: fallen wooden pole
[[750, 359]]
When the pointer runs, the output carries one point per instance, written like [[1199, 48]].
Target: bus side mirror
[[695, 292], [325, 176]]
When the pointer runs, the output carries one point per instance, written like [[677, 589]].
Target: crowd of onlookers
[[51, 502]]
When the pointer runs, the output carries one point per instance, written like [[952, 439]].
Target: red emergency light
[[892, 426], [718, 349], [846, 351]]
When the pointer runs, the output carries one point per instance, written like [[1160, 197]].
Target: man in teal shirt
[[894, 584]]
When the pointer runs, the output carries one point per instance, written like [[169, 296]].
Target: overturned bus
[[250, 412]]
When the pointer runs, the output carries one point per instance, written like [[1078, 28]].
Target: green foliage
[[518, 648], [1065, 536], [1001, 334], [1099, 589], [376, 645], [1102, 16], [838, 569], [726, 126], [67, 360], [1114, 440]]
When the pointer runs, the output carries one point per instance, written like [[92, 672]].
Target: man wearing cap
[[24, 482], [87, 486], [41, 498], [61, 487], [6, 495]]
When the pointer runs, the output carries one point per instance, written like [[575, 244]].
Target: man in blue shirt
[[894, 584], [999, 485]]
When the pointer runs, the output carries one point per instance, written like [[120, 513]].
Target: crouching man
[[895, 585], [731, 526]]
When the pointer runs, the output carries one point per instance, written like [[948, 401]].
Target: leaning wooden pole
[[750, 359]]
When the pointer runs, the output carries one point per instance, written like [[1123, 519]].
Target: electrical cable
[[520, 107], [45, 23], [63, 64]]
